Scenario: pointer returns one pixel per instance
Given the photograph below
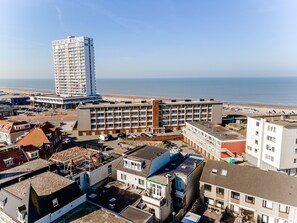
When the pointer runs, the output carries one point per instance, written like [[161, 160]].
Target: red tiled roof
[[38, 135], [8, 126], [16, 154]]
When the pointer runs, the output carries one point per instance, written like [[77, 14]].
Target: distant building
[[7, 110], [41, 198], [45, 137], [249, 193], [87, 167], [75, 81], [11, 131], [271, 142], [154, 116], [74, 65], [214, 141]]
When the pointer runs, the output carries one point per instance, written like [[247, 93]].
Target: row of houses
[[166, 182]]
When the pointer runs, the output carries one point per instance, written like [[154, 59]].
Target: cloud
[[60, 18]]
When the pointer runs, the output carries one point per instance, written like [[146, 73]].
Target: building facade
[[154, 116], [272, 143], [248, 193], [214, 141], [11, 131], [74, 65]]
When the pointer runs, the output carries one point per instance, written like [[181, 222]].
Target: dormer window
[[131, 164], [3, 201], [33, 154], [22, 212], [8, 161], [214, 171]]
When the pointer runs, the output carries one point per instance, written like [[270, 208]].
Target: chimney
[[283, 117]]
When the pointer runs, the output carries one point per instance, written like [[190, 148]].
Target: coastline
[[6, 92]]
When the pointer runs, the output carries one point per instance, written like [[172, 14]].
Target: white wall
[[159, 162], [131, 179]]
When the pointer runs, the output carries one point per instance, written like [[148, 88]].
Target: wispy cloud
[[60, 19]]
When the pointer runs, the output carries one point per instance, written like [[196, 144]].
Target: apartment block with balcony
[[249, 193], [154, 116], [214, 141], [271, 142]]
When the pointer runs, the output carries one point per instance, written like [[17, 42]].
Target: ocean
[[277, 91]]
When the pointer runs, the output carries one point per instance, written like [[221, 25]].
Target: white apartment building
[[248, 193], [271, 143], [74, 66]]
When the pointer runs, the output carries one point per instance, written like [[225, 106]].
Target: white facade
[[74, 66], [271, 146]]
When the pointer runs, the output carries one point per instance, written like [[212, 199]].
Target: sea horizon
[[242, 90]]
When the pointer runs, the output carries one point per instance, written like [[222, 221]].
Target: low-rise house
[[140, 163], [11, 131], [41, 198], [87, 167], [12, 155], [174, 187], [214, 141], [249, 193], [46, 137], [24, 171]]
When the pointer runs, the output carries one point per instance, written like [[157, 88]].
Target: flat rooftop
[[50, 96], [136, 215], [44, 184], [148, 103], [183, 165], [23, 169], [217, 131], [116, 194], [89, 213], [283, 120]]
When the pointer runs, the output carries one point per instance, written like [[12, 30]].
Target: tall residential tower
[[74, 66]]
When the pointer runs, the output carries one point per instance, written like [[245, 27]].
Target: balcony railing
[[154, 201]]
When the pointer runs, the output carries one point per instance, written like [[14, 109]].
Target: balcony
[[154, 201]]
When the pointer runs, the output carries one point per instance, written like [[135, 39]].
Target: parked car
[[122, 135], [66, 140], [104, 137], [150, 134], [143, 135]]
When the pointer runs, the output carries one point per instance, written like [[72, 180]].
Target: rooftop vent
[[211, 99], [201, 99], [214, 171], [128, 102], [188, 100], [144, 101], [173, 100], [224, 172]]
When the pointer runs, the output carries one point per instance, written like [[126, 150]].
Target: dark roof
[[142, 153], [146, 152], [35, 195], [184, 165], [11, 152], [136, 215], [23, 169], [217, 131], [269, 185]]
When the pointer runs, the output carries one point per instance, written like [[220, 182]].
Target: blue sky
[[153, 38]]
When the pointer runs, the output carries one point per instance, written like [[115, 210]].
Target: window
[[207, 187], [284, 208], [156, 190], [295, 150], [270, 138], [257, 133], [267, 219], [109, 171], [269, 157], [178, 183], [141, 182], [220, 204], [256, 142], [123, 176], [295, 160], [257, 124], [8, 162], [220, 191], [270, 148], [249, 148], [267, 204], [55, 202], [249, 199], [235, 195]]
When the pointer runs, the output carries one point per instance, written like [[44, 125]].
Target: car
[[66, 140], [150, 134], [122, 135], [104, 137], [166, 142], [143, 135]]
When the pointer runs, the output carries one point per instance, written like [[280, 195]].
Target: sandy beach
[[229, 107]]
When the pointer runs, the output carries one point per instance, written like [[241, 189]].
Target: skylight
[[224, 172], [214, 171]]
